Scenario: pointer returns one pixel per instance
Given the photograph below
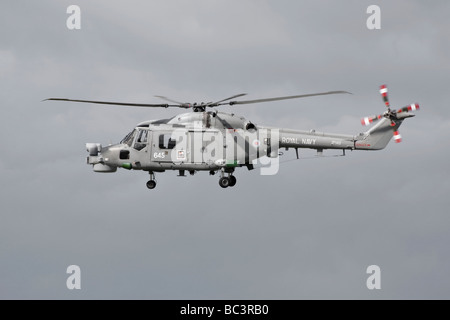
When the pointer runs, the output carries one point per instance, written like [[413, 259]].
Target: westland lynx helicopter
[[214, 141]]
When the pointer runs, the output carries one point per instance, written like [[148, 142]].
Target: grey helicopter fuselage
[[212, 141], [190, 141]]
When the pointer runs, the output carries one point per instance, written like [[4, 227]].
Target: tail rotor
[[393, 115]]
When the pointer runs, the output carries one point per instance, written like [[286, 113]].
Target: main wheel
[[232, 181], [151, 184], [224, 182]]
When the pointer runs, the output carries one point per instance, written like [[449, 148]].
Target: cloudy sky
[[310, 231]]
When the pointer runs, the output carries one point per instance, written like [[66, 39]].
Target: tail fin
[[379, 135]]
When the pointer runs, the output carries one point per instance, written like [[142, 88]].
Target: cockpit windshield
[[129, 138]]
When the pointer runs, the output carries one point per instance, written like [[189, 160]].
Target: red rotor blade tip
[[397, 137], [414, 107], [411, 107], [366, 121]]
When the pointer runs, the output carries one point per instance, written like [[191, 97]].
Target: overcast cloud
[[308, 232]]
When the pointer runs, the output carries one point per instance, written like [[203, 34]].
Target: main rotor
[[199, 107]]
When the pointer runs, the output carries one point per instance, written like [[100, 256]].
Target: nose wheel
[[151, 184]]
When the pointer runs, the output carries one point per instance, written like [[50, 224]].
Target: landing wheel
[[232, 181], [151, 184], [224, 182]]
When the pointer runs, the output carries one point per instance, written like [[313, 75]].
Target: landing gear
[[151, 184], [226, 182], [232, 181]]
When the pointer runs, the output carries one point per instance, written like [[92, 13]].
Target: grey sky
[[308, 232]]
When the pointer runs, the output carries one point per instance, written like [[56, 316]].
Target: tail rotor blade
[[368, 120], [384, 95], [397, 137], [411, 107]]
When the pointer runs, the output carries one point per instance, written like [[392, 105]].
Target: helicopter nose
[[99, 158], [114, 155]]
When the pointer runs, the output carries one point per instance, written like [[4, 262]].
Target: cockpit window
[[141, 140], [166, 142], [129, 138]]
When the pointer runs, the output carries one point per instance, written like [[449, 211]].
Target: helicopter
[[218, 142]]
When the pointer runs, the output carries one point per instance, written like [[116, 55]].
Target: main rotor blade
[[282, 98], [119, 103], [217, 103], [170, 100], [188, 105]]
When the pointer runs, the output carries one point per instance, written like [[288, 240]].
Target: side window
[[166, 142], [141, 140]]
